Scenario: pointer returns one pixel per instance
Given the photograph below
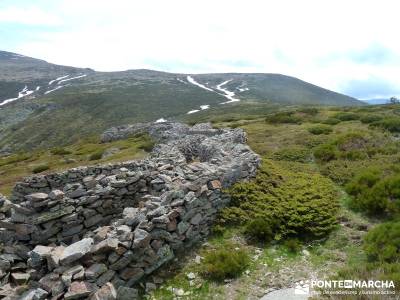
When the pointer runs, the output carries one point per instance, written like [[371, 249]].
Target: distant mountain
[[376, 101], [43, 104]]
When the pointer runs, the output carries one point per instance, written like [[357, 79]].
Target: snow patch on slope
[[192, 81], [202, 107], [193, 111], [72, 78], [57, 79], [25, 92], [161, 120], [55, 89], [180, 80], [227, 94]]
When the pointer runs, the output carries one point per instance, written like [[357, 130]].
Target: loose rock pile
[[94, 232]]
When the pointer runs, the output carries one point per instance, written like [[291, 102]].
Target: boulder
[[106, 292], [37, 197], [76, 251], [79, 290], [56, 195], [105, 246], [95, 271], [20, 278], [34, 294], [126, 293], [141, 238]]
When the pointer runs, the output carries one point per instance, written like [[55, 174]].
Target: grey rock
[[34, 294], [94, 271], [76, 251], [106, 292], [126, 293]]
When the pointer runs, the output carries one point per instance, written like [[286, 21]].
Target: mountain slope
[[43, 104]]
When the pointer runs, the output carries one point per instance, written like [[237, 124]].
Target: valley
[[155, 174], [69, 98]]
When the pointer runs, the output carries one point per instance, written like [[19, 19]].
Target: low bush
[[325, 152], [293, 245], [146, 144], [261, 229], [375, 193], [225, 262], [283, 117], [300, 204], [96, 155], [352, 141], [309, 111], [320, 129], [370, 118], [293, 154], [60, 151], [331, 121], [390, 124], [382, 243], [40, 168], [347, 116]]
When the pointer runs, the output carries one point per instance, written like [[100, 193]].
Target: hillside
[[43, 104], [308, 212]]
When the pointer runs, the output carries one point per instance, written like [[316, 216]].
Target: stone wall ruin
[[94, 232]]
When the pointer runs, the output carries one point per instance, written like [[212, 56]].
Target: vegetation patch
[[40, 168], [390, 124], [382, 243], [375, 192], [281, 203], [347, 116], [226, 261], [288, 117], [331, 121], [60, 151], [320, 129], [298, 154]]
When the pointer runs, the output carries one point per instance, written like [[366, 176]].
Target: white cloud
[[313, 40], [27, 16]]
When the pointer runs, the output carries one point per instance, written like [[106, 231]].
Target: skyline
[[345, 47]]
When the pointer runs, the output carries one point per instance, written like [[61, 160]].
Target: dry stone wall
[[94, 232]]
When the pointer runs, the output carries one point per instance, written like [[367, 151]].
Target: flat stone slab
[[76, 251]]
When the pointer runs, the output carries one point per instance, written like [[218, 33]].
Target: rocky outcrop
[[97, 231]]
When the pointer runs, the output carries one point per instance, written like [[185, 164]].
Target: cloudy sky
[[348, 46]]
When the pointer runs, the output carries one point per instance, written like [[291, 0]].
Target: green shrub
[[352, 141], [300, 204], [354, 155], [347, 116], [370, 118], [390, 124], [283, 117], [60, 151], [96, 155], [40, 168], [293, 154], [320, 129], [375, 194], [147, 144], [261, 229], [309, 111], [293, 245], [382, 243], [224, 262], [325, 152], [331, 121]]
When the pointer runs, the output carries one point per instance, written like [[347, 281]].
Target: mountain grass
[[85, 152]]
